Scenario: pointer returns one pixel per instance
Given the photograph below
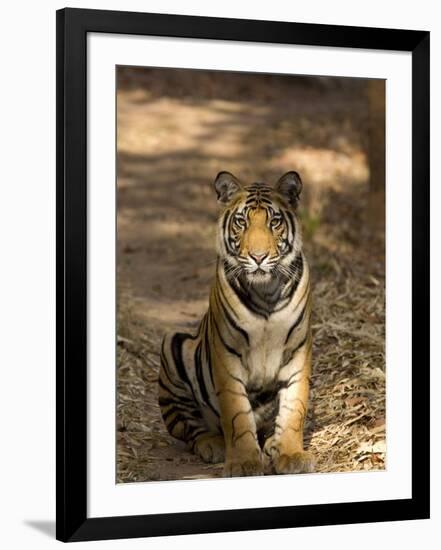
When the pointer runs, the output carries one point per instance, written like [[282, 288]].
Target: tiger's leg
[[184, 421], [243, 454], [179, 409], [285, 447]]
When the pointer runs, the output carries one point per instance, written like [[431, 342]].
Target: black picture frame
[[71, 320]]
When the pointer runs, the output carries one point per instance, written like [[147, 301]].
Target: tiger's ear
[[290, 186], [226, 186]]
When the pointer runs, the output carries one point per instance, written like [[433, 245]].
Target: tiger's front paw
[[301, 462], [211, 448], [243, 466]]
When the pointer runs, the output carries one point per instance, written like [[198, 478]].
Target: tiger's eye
[[275, 222], [239, 219]]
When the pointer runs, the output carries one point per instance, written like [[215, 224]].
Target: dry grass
[[347, 421]]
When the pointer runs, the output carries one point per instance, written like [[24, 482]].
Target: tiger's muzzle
[[258, 246]]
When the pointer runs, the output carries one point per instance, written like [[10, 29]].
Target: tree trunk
[[376, 91]]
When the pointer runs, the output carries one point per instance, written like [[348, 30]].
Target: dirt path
[[171, 144]]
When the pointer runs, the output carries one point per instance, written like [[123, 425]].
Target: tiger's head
[[259, 235]]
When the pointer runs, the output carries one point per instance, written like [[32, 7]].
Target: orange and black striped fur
[[238, 388]]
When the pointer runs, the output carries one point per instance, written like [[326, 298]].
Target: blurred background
[[176, 129]]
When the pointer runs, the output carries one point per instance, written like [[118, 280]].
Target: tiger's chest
[[263, 357]]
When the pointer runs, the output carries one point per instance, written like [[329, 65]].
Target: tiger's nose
[[258, 257]]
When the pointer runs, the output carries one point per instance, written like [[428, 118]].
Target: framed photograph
[[242, 274]]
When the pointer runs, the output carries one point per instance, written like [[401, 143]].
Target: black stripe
[[247, 301], [233, 427], [262, 304], [207, 356], [177, 343], [232, 322], [290, 380], [196, 430], [297, 266], [289, 223], [176, 346], [236, 378], [222, 296], [227, 233], [166, 371], [194, 434], [224, 222], [176, 419], [296, 323], [302, 343], [227, 347], [168, 413], [164, 364], [237, 437], [175, 399], [294, 288], [200, 375], [288, 216], [175, 395]]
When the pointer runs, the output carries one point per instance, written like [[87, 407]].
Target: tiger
[[236, 390]]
